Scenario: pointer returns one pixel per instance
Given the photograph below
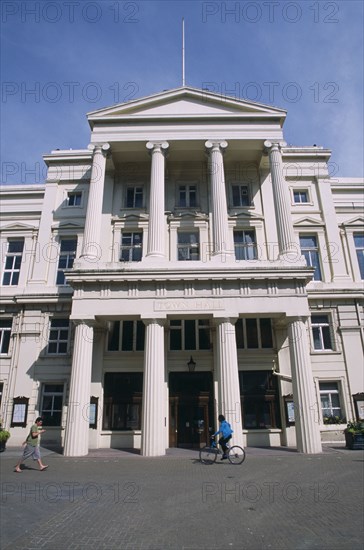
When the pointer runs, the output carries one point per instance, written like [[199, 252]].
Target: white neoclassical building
[[187, 263]]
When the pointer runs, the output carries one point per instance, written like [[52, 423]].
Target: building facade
[[187, 263]]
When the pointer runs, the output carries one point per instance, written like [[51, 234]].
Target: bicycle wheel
[[208, 455], [236, 455]]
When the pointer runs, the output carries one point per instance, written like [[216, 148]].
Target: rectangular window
[[51, 406], [321, 332], [254, 333], [300, 196], [188, 247], [122, 401], [187, 196], [74, 198], [359, 245], [310, 250], [330, 403], [259, 400], [240, 194], [5, 333], [245, 245], [59, 336], [13, 261], [131, 247], [126, 336], [189, 335], [134, 197], [67, 256]]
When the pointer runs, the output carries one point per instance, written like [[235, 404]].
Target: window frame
[[76, 194], [188, 186], [322, 336], [3, 331], [59, 341], [54, 394], [358, 250], [248, 194], [189, 247], [132, 247], [69, 260], [138, 332], [200, 326], [125, 399], [243, 338], [13, 270], [300, 202], [244, 247], [331, 392], [318, 273], [134, 205]]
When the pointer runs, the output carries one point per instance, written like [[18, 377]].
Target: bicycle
[[208, 454]]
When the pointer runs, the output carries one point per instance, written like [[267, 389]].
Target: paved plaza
[[277, 499]]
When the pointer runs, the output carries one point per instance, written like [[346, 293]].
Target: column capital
[[103, 148], [228, 319], [157, 146], [274, 145], [161, 321], [216, 145]]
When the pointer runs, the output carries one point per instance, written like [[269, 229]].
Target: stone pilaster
[[154, 413], [228, 377], [335, 251], [91, 248], [156, 230], [77, 428], [220, 228], [286, 238], [305, 402]]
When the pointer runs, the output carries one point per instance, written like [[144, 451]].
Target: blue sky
[[63, 59]]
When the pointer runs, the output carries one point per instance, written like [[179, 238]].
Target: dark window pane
[[320, 319], [252, 333], [239, 334], [127, 339], [16, 246], [266, 333], [316, 338], [175, 340], [327, 337], [140, 336], [113, 342], [204, 337], [190, 335]]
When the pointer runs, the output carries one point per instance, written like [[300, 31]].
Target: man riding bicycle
[[226, 432]]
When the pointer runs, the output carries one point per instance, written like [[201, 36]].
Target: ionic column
[[228, 377], [91, 248], [306, 406], [153, 421], [77, 428], [156, 230], [220, 227], [286, 237]]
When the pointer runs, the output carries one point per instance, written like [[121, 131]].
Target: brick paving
[[276, 500]]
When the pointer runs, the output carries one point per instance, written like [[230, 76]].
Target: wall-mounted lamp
[[191, 365]]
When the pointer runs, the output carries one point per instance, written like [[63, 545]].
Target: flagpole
[[183, 53]]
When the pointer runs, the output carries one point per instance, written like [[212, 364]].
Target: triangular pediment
[[18, 227], [66, 225], [186, 103], [246, 216], [357, 222], [308, 221]]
